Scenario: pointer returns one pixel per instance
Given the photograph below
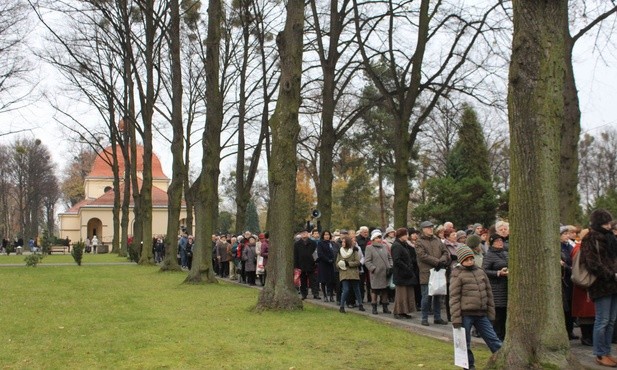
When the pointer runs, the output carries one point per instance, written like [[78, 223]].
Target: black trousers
[[308, 277], [500, 322]]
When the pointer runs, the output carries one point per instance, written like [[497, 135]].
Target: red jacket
[[582, 305]]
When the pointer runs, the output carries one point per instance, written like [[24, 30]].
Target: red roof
[[102, 164], [159, 199]]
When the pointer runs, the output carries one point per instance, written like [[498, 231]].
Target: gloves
[[456, 326]]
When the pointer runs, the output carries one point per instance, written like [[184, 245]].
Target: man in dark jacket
[[432, 253], [303, 260]]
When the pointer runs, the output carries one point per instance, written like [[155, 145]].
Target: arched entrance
[[95, 227]]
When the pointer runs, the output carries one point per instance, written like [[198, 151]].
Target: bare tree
[[14, 66], [535, 334], [571, 125], [279, 292], [206, 186], [419, 72]]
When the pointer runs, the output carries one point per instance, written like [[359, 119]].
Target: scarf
[[346, 253]]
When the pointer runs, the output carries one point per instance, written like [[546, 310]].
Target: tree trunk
[[536, 336], [402, 152], [147, 257], [206, 203], [115, 245], [570, 133], [174, 192], [279, 292]]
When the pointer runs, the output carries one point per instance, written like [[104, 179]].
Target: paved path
[[444, 332]]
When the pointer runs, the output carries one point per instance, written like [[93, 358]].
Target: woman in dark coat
[[326, 255], [599, 256], [495, 265], [405, 275], [566, 279]]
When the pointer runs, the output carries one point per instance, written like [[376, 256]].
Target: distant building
[[93, 215]]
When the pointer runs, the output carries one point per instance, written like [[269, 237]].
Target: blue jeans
[[355, 285], [425, 304], [486, 331], [606, 313], [183, 258]]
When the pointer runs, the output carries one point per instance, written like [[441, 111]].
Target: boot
[[374, 309], [385, 308], [361, 307], [341, 310]]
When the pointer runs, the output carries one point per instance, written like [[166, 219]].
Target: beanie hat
[[375, 234], [600, 217], [389, 230], [460, 234], [463, 252], [473, 241], [494, 237], [563, 229], [401, 232]]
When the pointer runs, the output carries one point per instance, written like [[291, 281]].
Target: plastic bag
[[260, 265], [437, 282]]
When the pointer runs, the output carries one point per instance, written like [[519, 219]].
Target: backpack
[[580, 275]]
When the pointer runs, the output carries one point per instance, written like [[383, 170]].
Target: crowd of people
[[390, 270]]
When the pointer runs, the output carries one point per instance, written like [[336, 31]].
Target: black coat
[[494, 260], [326, 253], [405, 269], [303, 255]]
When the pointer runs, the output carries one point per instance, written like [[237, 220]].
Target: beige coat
[[352, 272], [430, 251]]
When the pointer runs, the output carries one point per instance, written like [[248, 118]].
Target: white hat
[[341, 265], [375, 233]]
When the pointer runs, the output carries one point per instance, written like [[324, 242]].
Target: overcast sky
[[595, 74]]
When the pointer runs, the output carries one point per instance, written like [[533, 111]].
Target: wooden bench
[[58, 249]]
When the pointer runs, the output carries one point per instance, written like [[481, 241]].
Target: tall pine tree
[[466, 194]]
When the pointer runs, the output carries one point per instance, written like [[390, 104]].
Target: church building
[[93, 215]]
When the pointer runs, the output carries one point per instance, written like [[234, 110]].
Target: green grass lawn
[[128, 316], [64, 258]]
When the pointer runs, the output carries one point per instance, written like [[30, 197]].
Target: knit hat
[[389, 230], [473, 241], [460, 234], [600, 217], [563, 229], [375, 234], [401, 232], [341, 265], [494, 237], [463, 252]]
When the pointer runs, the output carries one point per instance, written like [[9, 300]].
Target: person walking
[[95, 244], [599, 255]]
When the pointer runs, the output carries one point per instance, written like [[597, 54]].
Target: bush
[[46, 242], [134, 253], [10, 248], [78, 251], [33, 259]]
